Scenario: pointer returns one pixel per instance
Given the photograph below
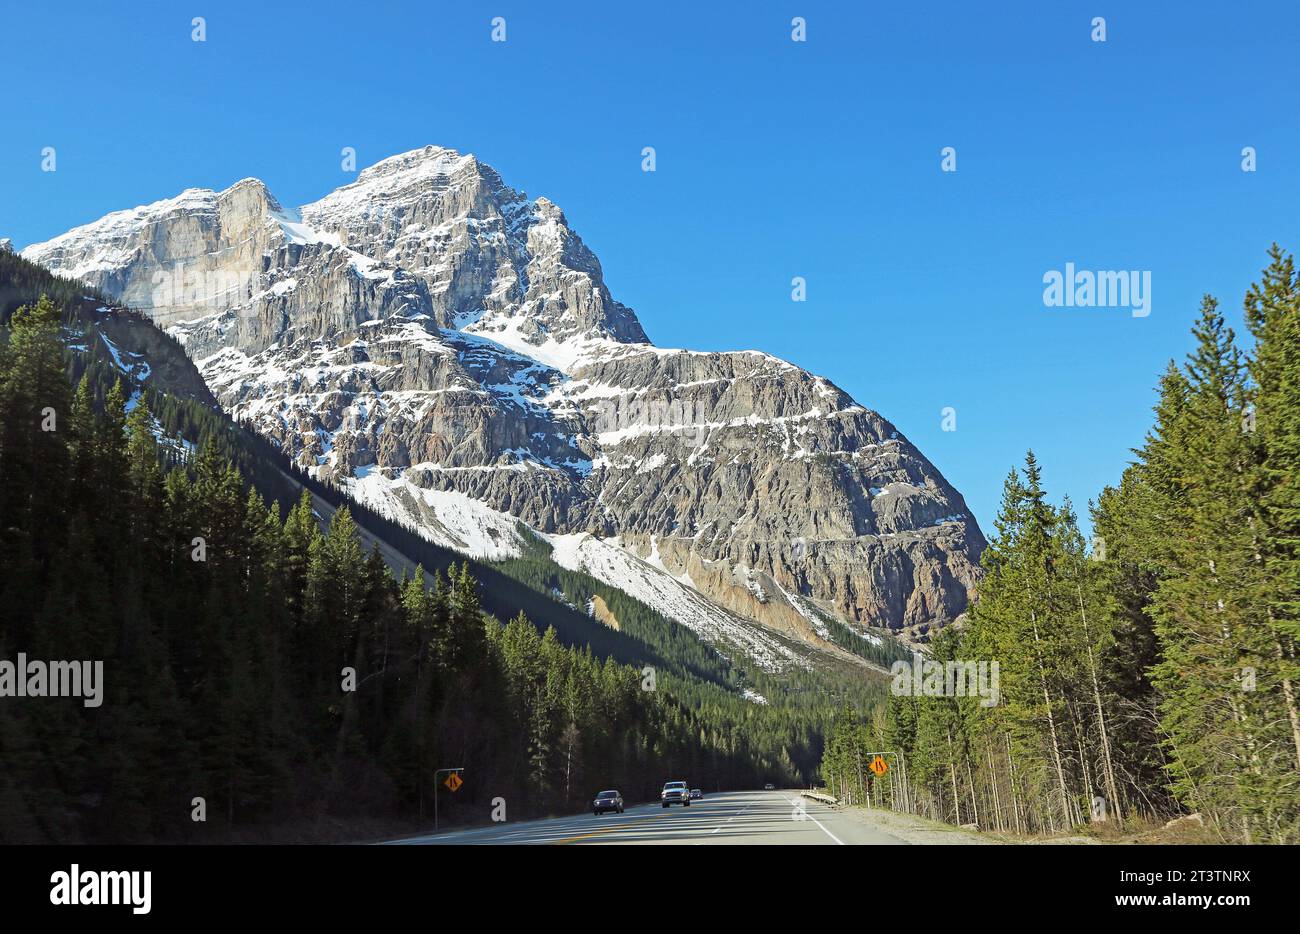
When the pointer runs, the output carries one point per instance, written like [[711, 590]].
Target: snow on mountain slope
[[675, 599], [110, 243], [447, 349], [456, 521], [445, 517]]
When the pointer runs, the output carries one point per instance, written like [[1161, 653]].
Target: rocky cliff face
[[446, 348]]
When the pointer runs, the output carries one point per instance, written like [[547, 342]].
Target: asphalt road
[[743, 817]]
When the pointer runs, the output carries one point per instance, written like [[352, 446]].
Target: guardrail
[[818, 796]]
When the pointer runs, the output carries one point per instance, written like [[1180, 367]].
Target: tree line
[[262, 671], [1153, 670]]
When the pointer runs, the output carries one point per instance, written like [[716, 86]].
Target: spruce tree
[[1273, 424]]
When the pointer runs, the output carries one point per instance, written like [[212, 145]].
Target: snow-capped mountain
[[447, 350]]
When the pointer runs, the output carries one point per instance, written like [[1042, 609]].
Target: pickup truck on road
[[676, 793]]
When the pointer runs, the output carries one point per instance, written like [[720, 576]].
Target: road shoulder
[[919, 830]]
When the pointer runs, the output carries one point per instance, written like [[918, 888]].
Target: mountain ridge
[[426, 337]]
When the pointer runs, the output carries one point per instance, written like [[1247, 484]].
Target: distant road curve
[[743, 817]]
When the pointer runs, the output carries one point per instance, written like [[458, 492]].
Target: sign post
[[453, 782], [874, 762]]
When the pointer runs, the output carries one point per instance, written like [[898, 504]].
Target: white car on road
[[676, 793]]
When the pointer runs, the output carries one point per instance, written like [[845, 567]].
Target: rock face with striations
[[447, 349]]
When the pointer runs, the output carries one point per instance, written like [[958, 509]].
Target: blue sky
[[775, 159]]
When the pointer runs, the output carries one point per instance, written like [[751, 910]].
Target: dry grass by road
[[921, 830]]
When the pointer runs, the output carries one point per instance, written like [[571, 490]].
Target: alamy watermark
[[35, 678], [924, 677], [190, 287], [1085, 288], [79, 886], [685, 420]]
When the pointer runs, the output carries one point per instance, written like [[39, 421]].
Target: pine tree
[[34, 425], [1273, 420], [1207, 622]]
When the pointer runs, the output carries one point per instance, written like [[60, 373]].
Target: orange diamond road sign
[[879, 766], [454, 782]]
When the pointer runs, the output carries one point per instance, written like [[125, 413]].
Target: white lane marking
[[730, 819], [507, 832], [795, 802]]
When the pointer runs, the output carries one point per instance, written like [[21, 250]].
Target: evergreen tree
[[1273, 424]]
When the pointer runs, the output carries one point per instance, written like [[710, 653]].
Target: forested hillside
[[227, 633], [147, 530], [1155, 670]]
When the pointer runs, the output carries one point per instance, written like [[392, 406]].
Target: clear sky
[[775, 159]]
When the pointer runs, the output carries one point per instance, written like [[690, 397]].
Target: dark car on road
[[607, 801], [696, 794]]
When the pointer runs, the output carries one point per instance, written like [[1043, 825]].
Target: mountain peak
[[430, 339], [482, 256], [252, 185], [417, 164], [405, 177]]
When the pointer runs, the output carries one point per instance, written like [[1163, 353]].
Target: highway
[[738, 817]]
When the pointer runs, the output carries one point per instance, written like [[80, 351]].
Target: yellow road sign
[[454, 782], [879, 766]]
